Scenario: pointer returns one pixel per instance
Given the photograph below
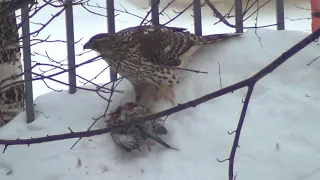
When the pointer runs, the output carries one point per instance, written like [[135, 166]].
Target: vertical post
[[280, 14], [70, 47], [239, 16], [111, 29], [27, 63], [155, 11], [197, 17], [315, 16]]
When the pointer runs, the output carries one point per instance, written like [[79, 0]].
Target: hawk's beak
[[86, 46]]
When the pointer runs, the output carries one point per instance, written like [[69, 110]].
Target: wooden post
[[111, 29], [155, 12], [280, 14], [315, 10], [27, 63], [70, 48], [197, 17], [239, 16]]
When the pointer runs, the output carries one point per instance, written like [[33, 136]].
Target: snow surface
[[279, 140]]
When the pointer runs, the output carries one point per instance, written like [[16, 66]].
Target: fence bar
[[239, 16], [111, 29], [70, 48], [155, 11], [27, 63], [197, 17], [280, 14]]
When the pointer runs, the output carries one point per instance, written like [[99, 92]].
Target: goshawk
[[151, 57]]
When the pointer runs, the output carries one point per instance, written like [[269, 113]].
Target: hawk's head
[[103, 43]]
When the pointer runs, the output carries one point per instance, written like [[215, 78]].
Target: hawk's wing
[[159, 44]]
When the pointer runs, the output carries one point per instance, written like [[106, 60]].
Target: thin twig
[[220, 76]]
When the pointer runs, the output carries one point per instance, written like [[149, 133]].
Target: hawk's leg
[[138, 92], [147, 94], [164, 92]]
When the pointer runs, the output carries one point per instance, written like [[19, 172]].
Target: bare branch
[[222, 18], [148, 13], [313, 60], [238, 131], [178, 14]]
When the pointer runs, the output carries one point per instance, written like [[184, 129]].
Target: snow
[[279, 140]]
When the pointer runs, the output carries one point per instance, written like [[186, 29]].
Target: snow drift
[[279, 140]]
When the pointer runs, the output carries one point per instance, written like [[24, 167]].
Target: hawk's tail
[[214, 38]]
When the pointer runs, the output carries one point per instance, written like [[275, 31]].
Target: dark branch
[[238, 131]]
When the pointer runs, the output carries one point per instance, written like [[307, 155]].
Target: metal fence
[[111, 29]]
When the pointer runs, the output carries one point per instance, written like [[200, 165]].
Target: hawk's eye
[[97, 43]]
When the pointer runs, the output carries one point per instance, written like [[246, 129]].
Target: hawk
[[151, 57], [136, 136]]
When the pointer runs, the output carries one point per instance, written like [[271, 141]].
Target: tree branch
[[238, 131]]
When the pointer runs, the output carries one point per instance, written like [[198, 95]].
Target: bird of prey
[[151, 57], [136, 136]]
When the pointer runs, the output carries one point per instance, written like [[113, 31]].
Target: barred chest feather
[[138, 69]]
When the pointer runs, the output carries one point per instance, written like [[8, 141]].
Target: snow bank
[[279, 140]]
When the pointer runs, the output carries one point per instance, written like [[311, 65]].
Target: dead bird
[[138, 135]]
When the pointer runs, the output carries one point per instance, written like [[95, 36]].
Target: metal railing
[[111, 29]]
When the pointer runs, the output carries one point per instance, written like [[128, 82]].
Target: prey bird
[[139, 135], [151, 57]]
